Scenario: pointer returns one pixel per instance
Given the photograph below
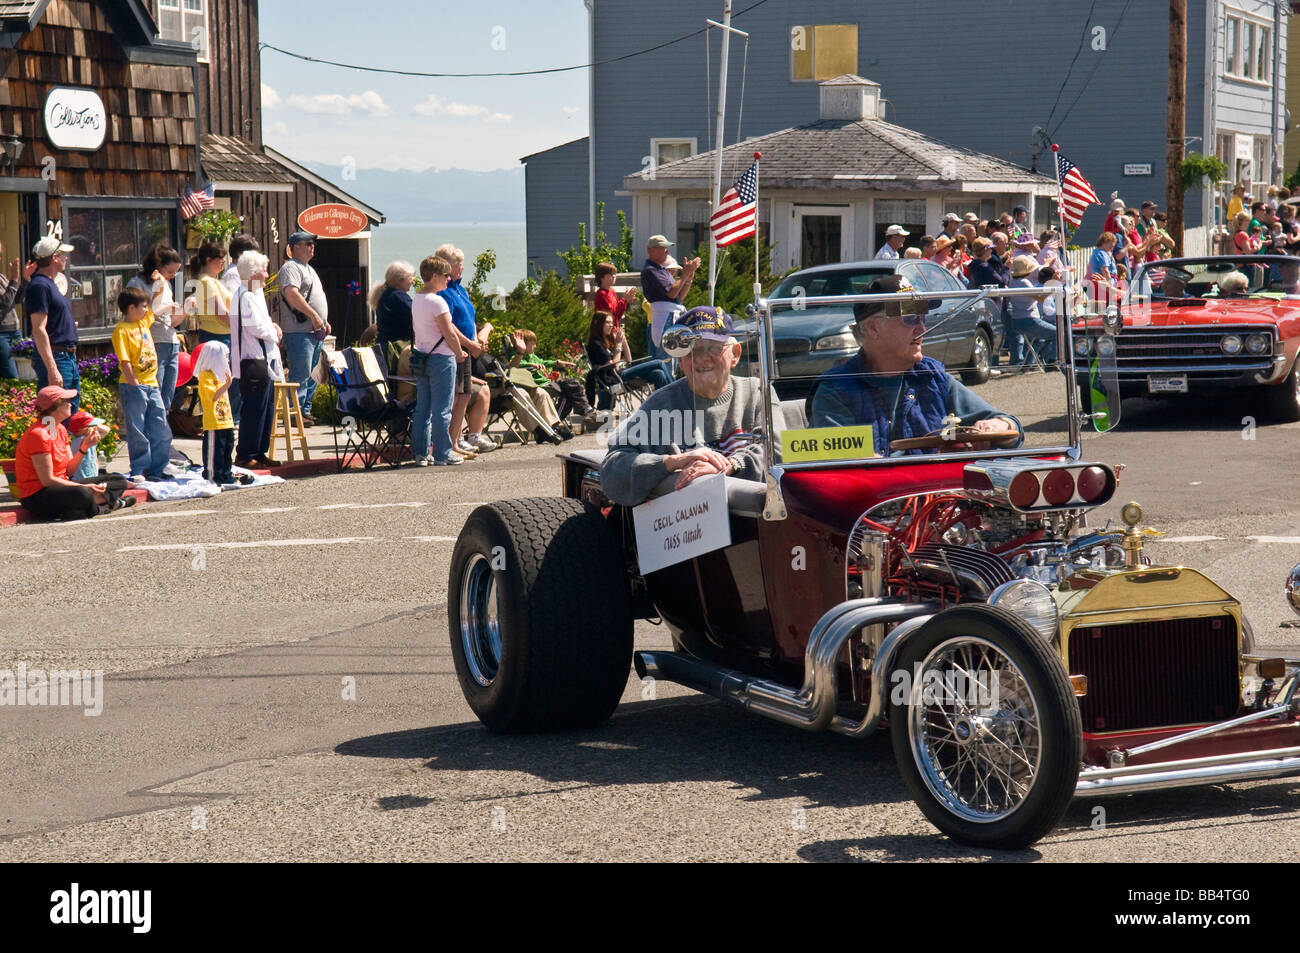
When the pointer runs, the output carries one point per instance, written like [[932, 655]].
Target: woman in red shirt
[[605, 299], [42, 461]]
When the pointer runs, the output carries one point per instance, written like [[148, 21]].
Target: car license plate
[[1167, 385]]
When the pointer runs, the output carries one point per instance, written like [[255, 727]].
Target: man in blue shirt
[[54, 332], [890, 385], [661, 290], [471, 395]]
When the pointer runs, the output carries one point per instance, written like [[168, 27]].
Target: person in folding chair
[[611, 363], [1027, 319], [532, 375]]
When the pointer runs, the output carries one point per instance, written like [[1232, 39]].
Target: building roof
[[851, 154], [233, 164], [325, 185], [563, 145]]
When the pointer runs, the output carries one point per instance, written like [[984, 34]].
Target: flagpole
[[717, 159], [758, 281], [1060, 209]]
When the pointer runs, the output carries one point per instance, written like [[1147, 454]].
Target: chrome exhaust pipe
[[1217, 769], [812, 707]]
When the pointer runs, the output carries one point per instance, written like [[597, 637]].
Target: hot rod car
[[951, 593]]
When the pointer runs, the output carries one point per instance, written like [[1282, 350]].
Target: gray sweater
[[672, 420]]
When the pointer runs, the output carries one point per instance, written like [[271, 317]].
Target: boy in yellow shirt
[[148, 436]]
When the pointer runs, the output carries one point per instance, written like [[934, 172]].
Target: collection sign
[[75, 119], [333, 221], [683, 524]]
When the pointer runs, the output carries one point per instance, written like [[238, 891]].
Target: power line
[[1114, 30], [1083, 37], [530, 72]]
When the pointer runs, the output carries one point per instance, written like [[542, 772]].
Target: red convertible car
[[1204, 326], [944, 585]]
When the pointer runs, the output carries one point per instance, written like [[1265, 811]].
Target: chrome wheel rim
[[480, 620], [975, 730], [981, 361]]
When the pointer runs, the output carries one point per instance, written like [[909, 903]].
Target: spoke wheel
[[987, 734], [979, 369]]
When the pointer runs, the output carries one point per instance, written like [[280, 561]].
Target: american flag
[[734, 218], [1076, 193], [195, 202]]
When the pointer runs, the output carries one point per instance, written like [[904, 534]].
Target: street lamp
[[11, 147]]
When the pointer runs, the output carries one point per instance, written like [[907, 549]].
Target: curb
[[11, 514]]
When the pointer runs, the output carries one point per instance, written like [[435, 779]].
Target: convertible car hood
[[1210, 312]]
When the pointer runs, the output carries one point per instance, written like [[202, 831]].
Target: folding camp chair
[[624, 397], [511, 407], [375, 425]]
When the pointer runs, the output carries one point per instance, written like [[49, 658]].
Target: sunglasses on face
[[713, 350]]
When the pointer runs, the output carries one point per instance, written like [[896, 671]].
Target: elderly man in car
[[890, 385], [711, 421]]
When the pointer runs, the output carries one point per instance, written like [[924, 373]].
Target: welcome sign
[[75, 119]]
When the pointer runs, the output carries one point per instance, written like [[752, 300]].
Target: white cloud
[[337, 104], [270, 98], [571, 110], [279, 128], [437, 106]]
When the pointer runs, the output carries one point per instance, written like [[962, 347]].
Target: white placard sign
[[683, 524], [1137, 168], [75, 119]]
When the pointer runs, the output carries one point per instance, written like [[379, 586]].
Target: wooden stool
[[288, 415]]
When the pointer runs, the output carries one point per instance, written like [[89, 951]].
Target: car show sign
[[827, 443], [75, 119], [333, 221], [683, 524]]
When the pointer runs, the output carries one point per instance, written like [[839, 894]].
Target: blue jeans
[[302, 351], [148, 438], [7, 366], [433, 407], [66, 362], [1041, 334], [652, 372], [169, 365], [236, 400]]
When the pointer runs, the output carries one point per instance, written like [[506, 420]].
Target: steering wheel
[[962, 435]]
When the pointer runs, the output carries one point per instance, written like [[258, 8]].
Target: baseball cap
[[298, 238], [1117, 205], [47, 246], [895, 230], [1148, 204], [1019, 208], [708, 321], [81, 420], [890, 284], [47, 397], [658, 241], [951, 217], [971, 217]]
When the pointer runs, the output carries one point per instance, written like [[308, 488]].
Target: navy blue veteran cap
[[709, 323], [298, 237]]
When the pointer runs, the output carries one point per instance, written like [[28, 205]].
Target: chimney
[[849, 97]]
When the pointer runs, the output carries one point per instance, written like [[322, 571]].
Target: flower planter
[[11, 475], [25, 370]]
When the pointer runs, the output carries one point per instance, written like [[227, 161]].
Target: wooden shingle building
[[109, 109]]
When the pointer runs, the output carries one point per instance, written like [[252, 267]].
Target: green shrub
[[18, 412], [324, 405]]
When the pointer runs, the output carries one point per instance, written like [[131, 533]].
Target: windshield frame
[[766, 348], [1132, 299]]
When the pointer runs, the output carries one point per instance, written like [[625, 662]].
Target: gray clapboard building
[[983, 76]]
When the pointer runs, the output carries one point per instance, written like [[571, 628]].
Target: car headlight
[[836, 342], [1259, 343], [1030, 600], [1231, 344], [1082, 346], [1106, 346]]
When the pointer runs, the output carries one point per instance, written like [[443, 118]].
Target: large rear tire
[[540, 615], [989, 739]]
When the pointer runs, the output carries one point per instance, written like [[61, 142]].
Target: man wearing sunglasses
[[710, 421], [891, 385]]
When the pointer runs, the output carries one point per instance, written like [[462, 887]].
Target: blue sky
[[326, 114]]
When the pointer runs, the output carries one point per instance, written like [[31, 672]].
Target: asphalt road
[[279, 686]]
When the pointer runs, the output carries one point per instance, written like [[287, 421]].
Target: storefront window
[[108, 246]]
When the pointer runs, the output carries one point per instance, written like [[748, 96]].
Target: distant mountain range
[[435, 195]]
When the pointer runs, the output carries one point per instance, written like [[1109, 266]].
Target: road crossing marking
[[252, 544], [369, 506]]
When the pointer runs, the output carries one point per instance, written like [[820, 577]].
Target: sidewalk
[[320, 444]]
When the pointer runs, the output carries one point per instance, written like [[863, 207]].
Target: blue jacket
[[925, 394]]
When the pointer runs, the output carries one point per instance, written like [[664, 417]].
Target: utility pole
[[1175, 122]]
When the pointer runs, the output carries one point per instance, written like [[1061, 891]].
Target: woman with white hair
[[255, 360], [391, 301], [472, 400]]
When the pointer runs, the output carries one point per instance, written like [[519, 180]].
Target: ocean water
[[413, 241]]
